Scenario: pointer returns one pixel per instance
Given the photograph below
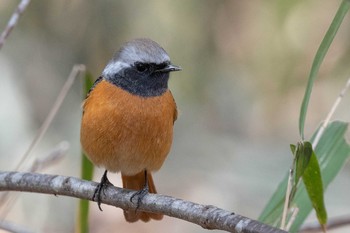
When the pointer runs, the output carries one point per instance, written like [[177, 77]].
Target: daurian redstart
[[128, 118]]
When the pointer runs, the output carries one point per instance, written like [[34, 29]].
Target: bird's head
[[140, 67]]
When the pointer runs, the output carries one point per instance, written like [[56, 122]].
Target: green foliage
[[306, 166], [302, 157], [302, 153], [314, 187], [332, 151], [87, 170], [321, 53]]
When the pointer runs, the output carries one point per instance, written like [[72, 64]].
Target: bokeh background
[[245, 66]]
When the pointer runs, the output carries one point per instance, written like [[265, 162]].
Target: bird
[[128, 119]]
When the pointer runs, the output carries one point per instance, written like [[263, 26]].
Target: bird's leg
[[102, 185], [141, 193]]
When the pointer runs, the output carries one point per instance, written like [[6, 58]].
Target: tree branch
[[332, 224], [207, 216], [13, 21]]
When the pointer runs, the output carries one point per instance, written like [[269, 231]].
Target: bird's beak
[[169, 68]]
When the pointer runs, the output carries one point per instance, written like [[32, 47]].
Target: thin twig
[[286, 200], [330, 114], [54, 156], [332, 223], [207, 216], [295, 211], [13, 21], [76, 71]]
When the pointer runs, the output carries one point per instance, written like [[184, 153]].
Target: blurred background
[[245, 66]]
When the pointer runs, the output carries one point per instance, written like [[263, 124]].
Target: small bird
[[128, 119]]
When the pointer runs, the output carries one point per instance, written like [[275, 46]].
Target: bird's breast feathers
[[125, 132]]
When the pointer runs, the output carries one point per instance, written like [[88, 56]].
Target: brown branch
[[332, 224], [207, 216], [13, 21]]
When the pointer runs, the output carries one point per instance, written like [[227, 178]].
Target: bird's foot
[[99, 188], [140, 195]]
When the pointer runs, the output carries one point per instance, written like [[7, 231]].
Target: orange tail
[[137, 182]]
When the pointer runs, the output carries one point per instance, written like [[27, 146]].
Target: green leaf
[[87, 170], [321, 53], [314, 187], [332, 152], [292, 148], [302, 154]]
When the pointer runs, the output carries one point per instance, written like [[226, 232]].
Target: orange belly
[[125, 132]]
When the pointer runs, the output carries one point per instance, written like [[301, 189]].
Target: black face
[[143, 79]]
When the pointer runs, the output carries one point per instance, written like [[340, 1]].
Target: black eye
[[141, 67]]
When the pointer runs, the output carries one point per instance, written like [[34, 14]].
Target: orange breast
[[125, 132]]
